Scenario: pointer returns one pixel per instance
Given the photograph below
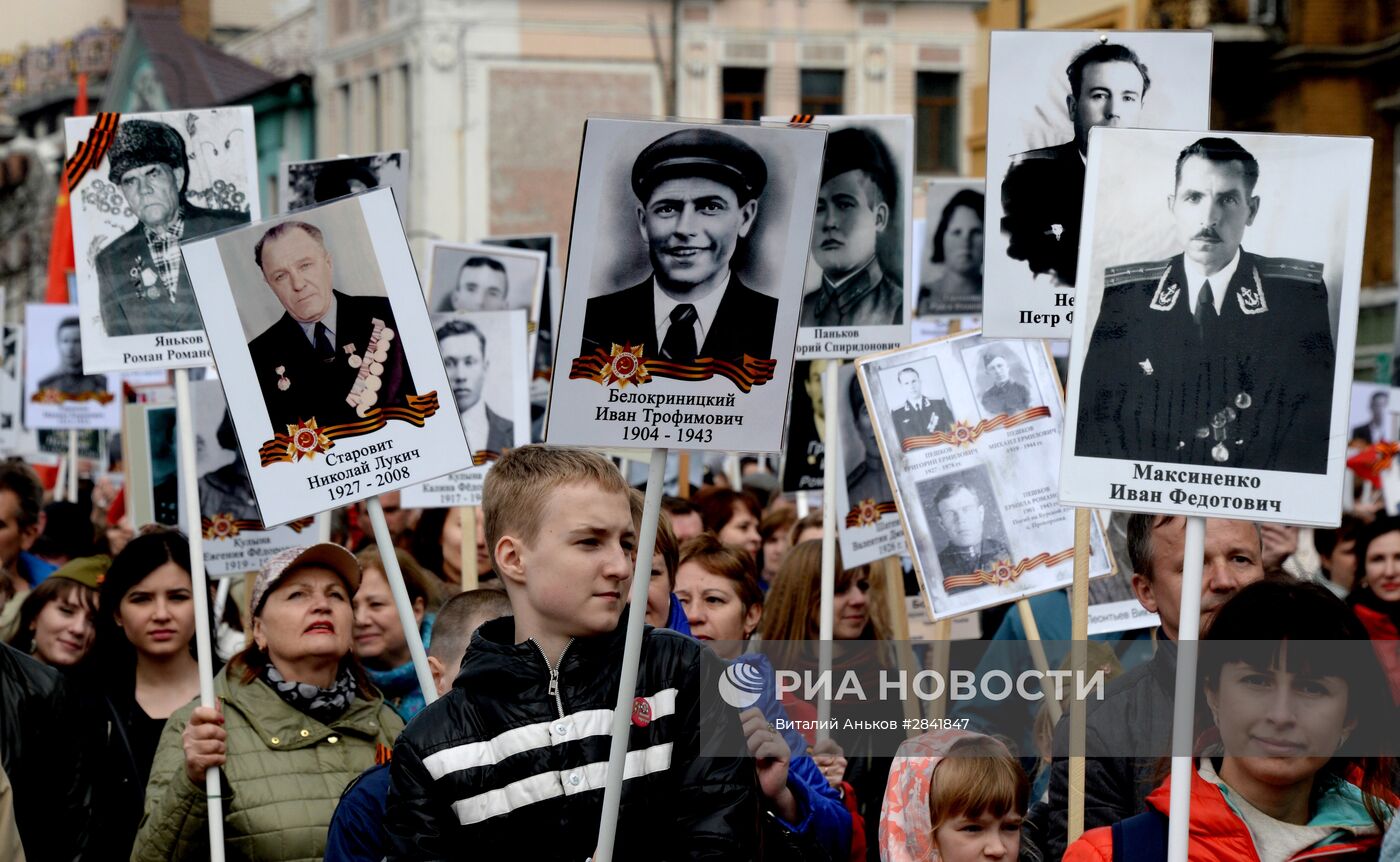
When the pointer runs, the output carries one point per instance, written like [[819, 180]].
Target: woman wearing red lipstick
[[298, 721], [1301, 722], [1376, 598]]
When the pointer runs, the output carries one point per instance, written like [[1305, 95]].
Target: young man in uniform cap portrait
[[1216, 356], [963, 517], [1005, 395], [331, 356], [142, 285], [697, 196], [69, 378], [859, 195], [1044, 188]]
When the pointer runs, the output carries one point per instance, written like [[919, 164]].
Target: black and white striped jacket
[[511, 763]]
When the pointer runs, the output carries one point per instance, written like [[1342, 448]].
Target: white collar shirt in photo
[[705, 311], [328, 319], [1219, 283], [1378, 434], [477, 426]]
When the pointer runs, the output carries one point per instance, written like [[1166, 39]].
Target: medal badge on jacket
[[364, 393]]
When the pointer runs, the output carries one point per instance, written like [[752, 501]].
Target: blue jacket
[[825, 820], [677, 621], [34, 569], [357, 827]]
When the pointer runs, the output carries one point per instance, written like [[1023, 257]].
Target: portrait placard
[[686, 265], [1373, 413], [485, 355], [141, 185], [968, 429], [327, 356], [1046, 90], [855, 296], [11, 386], [466, 277], [950, 268], [305, 184], [867, 519], [234, 538], [804, 453], [152, 463], [545, 314], [1209, 371], [57, 392]]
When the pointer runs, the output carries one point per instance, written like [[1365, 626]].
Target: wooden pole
[[470, 576], [831, 474], [683, 481], [1042, 665], [1079, 659]]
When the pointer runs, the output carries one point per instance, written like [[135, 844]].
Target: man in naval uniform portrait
[[962, 515], [1217, 356], [142, 285], [69, 378], [919, 415], [1004, 395], [331, 356], [1044, 188], [859, 193], [698, 193]]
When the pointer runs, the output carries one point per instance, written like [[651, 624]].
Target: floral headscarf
[[906, 827]]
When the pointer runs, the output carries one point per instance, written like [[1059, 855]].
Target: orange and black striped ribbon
[[964, 434], [417, 411], [1011, 573], [802, 119], [54, 396], [91, 149], [241, 525], [880, 509], [482, 456], [750, 373]]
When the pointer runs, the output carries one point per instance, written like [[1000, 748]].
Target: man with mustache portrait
[[1217, 356], [697, 193]]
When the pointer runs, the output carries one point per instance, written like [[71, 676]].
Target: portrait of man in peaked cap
[[698, 193], [142, 286]]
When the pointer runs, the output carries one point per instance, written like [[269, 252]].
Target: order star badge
[[221, 527], [625, 366], [306, 440], [869, 514]]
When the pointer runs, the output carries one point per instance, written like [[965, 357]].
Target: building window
[[821, 91], [405, 105], [374, 114], [743, 93], [936, 118], [343, 102]]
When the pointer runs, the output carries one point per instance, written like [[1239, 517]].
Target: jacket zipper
[[554, 673]]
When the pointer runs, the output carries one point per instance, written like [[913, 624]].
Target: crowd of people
[[328, 748]]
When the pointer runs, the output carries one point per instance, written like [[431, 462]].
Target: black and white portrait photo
[[1218, 308], [1373, 413], [868, 525], [1001, 378], [152, 465], [58, 391], [1046, 91], [545, 313], [862, 239], [485, 355], [305, 184], [478, 277], [327, 339], [965, 517], [685, 257], [977, 495], [950, 280], [11, 385], [804, 455], [163, 179]]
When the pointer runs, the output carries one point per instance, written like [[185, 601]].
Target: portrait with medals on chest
[[1218, 315]]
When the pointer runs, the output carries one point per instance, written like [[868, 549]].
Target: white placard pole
[[394, 574], [72, 465], [323, 527], [220, 601], [60, 482], [204, 648], [831, 474], [803, 507], [1183, 718], [471, 578], [631, 656]]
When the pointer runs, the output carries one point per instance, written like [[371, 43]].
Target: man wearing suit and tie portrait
[[1217, 356], [317, 358], [919, 415], [698, 192], [464, 357]]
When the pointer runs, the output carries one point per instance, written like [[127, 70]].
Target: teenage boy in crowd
[[357, 828], [512, 762]]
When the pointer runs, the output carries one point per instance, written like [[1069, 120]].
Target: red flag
[[61, 259], [1371, 462]]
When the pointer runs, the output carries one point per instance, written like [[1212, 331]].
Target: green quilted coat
[[284, 776]]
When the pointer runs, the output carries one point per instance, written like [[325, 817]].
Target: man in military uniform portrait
[[69, 378], [142, 284], [1044, 188], [1216, 356], [962, 515], [227, 490], [698, 193], [858, 196], [464, 357], [1004, 395], [866, 480], [919, 415], [331, 356], [482, 285]]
